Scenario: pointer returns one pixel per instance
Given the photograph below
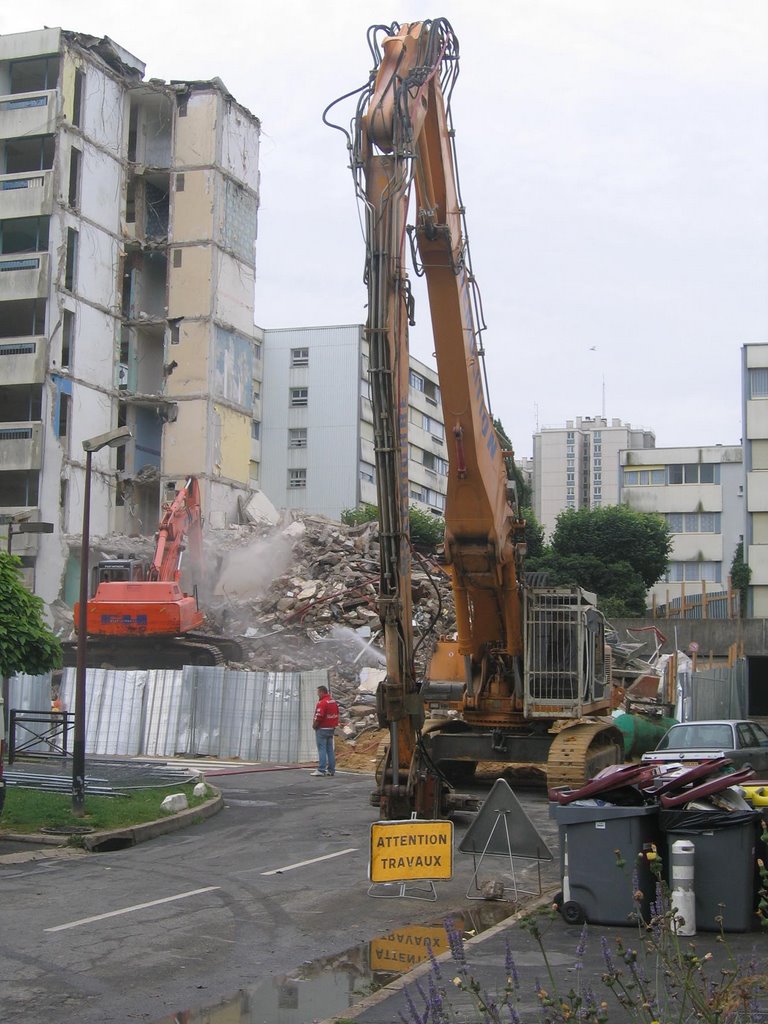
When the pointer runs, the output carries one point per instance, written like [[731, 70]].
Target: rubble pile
[[302, 596]]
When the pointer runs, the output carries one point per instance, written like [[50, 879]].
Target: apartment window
[[367, 472], [644, 477], [255, 429], [297, 478], [63, 497], [75, 159], [433, 427], [23, 234], [365, 388], [416, 381], [70, 265], [297, 437], [67, 338], [758, 382], [299, 397], [63, 425], [694, 572], [34, 75], [693, 522], [299, 357], [256, 350], [177, 257], [77, 100], [694, 473], [253, 471], [180, 182], [431, 392], [434, 499], [417, 494]]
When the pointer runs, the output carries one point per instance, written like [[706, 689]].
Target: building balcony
[[22, 360], [24, 276], [26, 195], [28, 113], [21, 447]]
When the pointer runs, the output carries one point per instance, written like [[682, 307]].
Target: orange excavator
[[527, 677], [139, 616]]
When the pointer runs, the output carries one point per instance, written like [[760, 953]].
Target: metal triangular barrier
[[503, 829]]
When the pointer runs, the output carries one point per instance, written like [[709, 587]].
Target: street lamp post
[[112, 439]]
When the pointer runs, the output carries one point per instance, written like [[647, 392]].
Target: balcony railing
[[24, 276], [27, 113], [26, 195], [20, 446], [22, 360]]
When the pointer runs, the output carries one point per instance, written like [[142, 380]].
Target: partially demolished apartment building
[[127, 228], [128, 217]]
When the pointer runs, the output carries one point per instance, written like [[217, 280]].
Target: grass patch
[[27, 810]]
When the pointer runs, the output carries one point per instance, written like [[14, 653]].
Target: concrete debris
[[174, 803], [302, 596]]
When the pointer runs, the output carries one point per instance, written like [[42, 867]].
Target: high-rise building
[[577, 466], [317, 424], [127, 228], [699, 493], [754, 396]]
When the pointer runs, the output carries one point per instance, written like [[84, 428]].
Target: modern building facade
[[317, 442], [577, 466], [127, 228], [754, 391], [700, 494]]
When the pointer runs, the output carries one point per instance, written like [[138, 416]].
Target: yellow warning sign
[[401, 850], [407, 947]]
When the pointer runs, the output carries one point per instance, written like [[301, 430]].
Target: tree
[[534, 533], [616, 533], [426, 530], [514, 472], [620, 590], [26, 642], [741, 574]]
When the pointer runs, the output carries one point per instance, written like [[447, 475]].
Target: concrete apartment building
[[577, 466], [700, 494], [317, 424], [754, 396], [127, 228]]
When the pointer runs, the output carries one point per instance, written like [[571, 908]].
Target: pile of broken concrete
[[301, 595]]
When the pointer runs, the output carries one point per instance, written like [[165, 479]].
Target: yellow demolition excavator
[[528, 671]]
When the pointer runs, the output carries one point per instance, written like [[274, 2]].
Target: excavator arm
[[401, 144], [181, 524]]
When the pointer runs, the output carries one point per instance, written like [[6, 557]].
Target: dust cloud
[[249, 571]]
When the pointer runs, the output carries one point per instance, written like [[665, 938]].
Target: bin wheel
[[572, 912]]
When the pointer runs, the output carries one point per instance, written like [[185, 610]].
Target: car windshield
[[697, 737]]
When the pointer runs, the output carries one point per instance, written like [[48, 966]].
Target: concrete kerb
[[119, 838], [423, 968]]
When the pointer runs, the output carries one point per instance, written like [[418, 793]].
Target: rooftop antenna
[[603, 396]]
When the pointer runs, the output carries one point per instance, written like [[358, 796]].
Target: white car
[[742, 741]]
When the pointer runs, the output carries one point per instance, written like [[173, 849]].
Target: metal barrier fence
[[39, 734], [720, 692]]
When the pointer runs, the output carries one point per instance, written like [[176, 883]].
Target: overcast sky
[[613, 156]]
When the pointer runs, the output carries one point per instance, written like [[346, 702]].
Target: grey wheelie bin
[[603, 861], [724, 864]]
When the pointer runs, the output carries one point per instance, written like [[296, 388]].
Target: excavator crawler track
[[580, 751]]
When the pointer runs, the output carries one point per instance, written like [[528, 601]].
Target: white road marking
[[315, 860], [130, 910]]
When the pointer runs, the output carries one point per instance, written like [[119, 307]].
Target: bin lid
[[570, 814]]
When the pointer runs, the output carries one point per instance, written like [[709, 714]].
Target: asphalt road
[[263, 911]]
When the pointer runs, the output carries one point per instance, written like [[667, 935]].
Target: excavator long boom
[[181, 524], [523, 657]]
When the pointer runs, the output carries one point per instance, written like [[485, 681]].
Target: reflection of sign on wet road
[[402, 850], [406, 947]]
